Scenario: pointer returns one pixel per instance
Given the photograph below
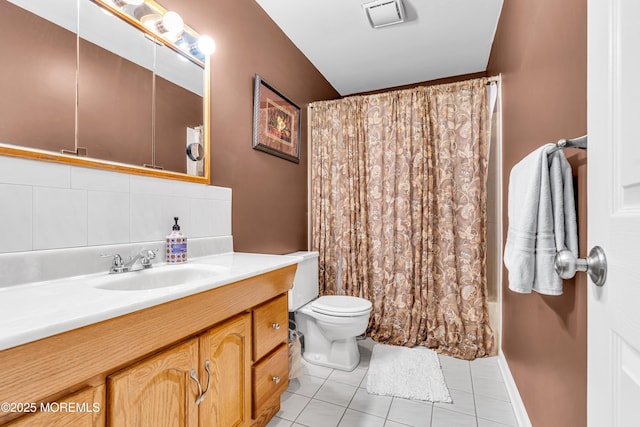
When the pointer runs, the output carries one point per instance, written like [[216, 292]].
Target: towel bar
[[566, 264], [570, 143]]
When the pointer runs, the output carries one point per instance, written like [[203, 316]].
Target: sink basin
[[159, 277]]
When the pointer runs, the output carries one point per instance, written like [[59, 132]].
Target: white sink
[[159, 277]]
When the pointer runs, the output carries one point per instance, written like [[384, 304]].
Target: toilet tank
[[305, 282]]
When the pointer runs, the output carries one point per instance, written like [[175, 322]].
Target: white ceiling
[[440, 38]]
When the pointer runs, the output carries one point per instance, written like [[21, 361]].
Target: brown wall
[[540, 48], [114, 106], [269, 193], [176, 109], [38, 84]]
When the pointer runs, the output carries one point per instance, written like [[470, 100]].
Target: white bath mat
[[411, 373]]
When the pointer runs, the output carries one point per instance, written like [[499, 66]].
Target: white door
[[614, 211]]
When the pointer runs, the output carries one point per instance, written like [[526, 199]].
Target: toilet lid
[[339, 305]]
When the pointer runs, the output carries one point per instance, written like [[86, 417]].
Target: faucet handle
[[117, 265], [149, 253], [147, 256]]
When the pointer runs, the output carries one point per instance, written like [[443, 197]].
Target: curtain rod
[[490, 80]]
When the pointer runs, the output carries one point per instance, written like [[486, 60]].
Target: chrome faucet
[[140, 261]]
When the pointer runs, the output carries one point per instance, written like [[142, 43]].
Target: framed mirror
[[104, 84]]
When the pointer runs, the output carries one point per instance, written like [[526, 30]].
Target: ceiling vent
[[384, 12]]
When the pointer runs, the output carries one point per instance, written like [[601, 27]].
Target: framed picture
[[276, 122]]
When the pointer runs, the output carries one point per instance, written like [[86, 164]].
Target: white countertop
[[38, 310]]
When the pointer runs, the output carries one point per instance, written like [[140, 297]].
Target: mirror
[[104, 90]]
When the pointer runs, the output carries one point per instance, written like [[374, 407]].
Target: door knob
[[566, 264]]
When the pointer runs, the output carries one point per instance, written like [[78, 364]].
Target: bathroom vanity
[[211, 355]]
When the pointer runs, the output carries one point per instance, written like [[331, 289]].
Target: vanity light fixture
[[200, 47], [206, 45], [171, 23], [159, 23]]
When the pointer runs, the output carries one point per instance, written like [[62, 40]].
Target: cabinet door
[[157, 391], [82, 409], [228, 350]]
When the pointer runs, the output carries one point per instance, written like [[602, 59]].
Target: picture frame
[[276, 122]]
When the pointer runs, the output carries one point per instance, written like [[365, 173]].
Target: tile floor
[[325, 397]]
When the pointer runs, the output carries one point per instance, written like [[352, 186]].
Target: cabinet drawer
[[270, 378], [270, 326]]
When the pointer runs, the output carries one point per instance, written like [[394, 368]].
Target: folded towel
[[542, 221]]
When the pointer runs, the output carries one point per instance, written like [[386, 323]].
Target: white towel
[[542, 221]]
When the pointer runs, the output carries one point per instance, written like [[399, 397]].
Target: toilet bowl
[[330, 335], [329, 324]]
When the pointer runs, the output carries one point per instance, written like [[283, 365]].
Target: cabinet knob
[[275, 325], [275, 379]]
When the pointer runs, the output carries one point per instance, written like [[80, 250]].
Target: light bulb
[[171, 23], [206, 45]]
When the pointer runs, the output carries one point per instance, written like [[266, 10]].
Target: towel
[[542, 221]]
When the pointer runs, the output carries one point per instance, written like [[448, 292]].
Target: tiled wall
[[51, 206]]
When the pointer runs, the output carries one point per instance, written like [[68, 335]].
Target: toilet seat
[[341, 306]]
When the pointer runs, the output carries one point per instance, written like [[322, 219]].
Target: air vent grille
[[384, 12]]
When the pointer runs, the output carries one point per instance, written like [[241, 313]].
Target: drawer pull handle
[[194, 376], [201, 398], [276, 380], [275, 325]]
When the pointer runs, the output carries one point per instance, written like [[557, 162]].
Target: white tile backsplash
[[179, 207], [31, 172], [16, 217], [147, 185], [152, 217], [99, 180], [109, 220], [214, 215], [54, 206], [59, 218]]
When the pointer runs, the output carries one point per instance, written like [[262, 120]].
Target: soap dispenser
[[176, 245]]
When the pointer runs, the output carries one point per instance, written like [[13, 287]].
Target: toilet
[[329, 324]]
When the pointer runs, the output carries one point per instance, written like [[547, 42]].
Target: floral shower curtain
[[399, 208]]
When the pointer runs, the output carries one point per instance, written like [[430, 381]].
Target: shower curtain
[[398, 191]]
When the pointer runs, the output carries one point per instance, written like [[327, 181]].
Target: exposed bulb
[[171, 23], [206, 45]]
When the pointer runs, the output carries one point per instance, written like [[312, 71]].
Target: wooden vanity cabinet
[[228, 348], [161, 391], [157, 391], [137, 367], [88, 404]]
